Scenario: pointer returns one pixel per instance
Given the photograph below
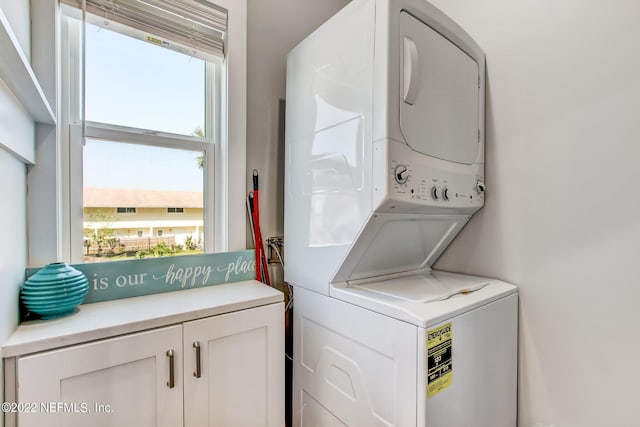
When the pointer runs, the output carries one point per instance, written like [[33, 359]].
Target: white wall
[[13, 251], [562, 214], [274, 28], [17, 13], [15, 123]]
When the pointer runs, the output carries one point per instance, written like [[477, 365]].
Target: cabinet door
[[115, 382], [241, 379]]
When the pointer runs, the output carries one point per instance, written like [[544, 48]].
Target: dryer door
[[439, 94]]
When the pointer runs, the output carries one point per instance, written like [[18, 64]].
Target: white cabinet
[[241, 380], [125, 378], [223, 368]]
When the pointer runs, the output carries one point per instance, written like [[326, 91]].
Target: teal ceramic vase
[[54, 291]]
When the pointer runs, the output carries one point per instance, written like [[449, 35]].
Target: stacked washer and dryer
[[384, 166]]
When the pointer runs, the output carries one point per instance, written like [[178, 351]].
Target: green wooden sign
[[131, 278]]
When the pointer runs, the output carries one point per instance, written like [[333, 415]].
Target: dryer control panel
[[421, 181]]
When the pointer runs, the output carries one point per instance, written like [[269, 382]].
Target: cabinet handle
[[171, 382], [197, 373]]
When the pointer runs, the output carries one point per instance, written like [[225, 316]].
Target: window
[[222, 150], [139, 233], [162, 122], [145, 143], [159, 233], [57, 229], [126, 210]]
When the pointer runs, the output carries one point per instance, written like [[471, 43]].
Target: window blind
[[194, 27]]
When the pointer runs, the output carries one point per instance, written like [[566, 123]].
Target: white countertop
[[107, 319]]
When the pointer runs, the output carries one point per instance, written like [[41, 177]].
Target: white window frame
[[225, 150]]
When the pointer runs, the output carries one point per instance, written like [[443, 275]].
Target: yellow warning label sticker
[[439, 359], [154, 40]]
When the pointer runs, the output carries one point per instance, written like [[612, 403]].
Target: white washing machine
[[450, 363], [384, 166]]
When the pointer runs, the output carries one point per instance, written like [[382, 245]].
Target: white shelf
[[111, 318], [17, 74]]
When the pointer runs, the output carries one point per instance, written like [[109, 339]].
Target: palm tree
[[198, 131]]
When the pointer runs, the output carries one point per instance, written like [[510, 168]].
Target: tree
[[198, 131], [102, 236], [189, 243]]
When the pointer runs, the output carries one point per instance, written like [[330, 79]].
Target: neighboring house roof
[[138, 198]]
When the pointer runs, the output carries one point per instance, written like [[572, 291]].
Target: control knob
[[434, 193], [401, 174], [480, 187]]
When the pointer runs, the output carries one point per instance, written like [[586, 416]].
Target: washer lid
[[421, 288], [383, 297], [439, 94], [397, 243]]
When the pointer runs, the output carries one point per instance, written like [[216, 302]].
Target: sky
[[134, 83]]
